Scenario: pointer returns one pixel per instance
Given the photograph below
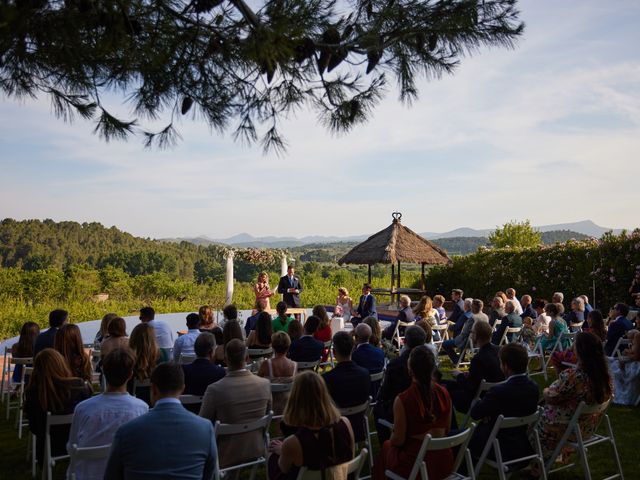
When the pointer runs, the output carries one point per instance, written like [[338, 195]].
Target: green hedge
[[605, 266]]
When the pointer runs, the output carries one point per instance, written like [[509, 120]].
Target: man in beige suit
[[239, 397]]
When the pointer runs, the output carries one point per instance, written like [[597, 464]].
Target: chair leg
[[498, 455], [613, 446], [254, 469]]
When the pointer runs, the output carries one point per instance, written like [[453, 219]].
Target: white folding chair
[[328, 346], [433, 444], [21, 421], [186, 358], [573, 438], [222, 429], [504, 467], [482, 389], [191, 402], [88, 454], [396, 338], [443, 330], [537, 352], [467, 348], [351, 467], [259, 353], [16, 388], [6, 372], [49, 461], [621, 345], [137, 384], [363, 411], [307, 365], [280, 388], [509, 331]]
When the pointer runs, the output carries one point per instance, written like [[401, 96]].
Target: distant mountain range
[[245, 240]]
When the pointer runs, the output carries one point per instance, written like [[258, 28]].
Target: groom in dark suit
[[290, 287], [366, 306]]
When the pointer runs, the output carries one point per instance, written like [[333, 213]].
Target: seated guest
[[485, 365], [405, 315], [57, 318], [230, 312], [561, 360], [261, 306], [575, 318], [167, 442], [239, 397], [365, 354], [558, 297], [68, 342], [323, 333], [424, 408], [517, 397], [376, 332], [143, 343], [231, 330], [162, 331], [207, 322], [527, 307], [511, 295], [294, 330], [589, 382], [96, 419], [510, 320], [366, 306], [542, 320], [460, 340], [307, 348], [104, 329], [321, 438], [116, 336], [279, 369], [458, 311], [424, 311], [557, 326], [349, 384], [184, 343], [438, 305], [260, 337], [617, 328], [595, 322], [396, 380], [587, 306], [52, 388], [528, 336], [202, 372], [24, 347], [281, 322], [429, 339], [626, 374], [497, 311]]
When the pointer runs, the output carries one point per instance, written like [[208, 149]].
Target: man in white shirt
[[96, 419], [184, 343], [164, 337], [511, 295]]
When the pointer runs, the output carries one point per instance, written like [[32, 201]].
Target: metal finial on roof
[[397, 216]]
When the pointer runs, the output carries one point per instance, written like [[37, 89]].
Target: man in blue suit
[[169, 442], [290, 287], [307, 348], [366, 306], [517, 397], [365, 354], [618, 328], [202, 372]]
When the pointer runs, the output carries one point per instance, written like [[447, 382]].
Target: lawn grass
[[625, 422]]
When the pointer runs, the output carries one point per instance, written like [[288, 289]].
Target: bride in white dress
[[344, 301]]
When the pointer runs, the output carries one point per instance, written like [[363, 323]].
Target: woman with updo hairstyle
[[117, 337], [322, 438], [52, 388], [424, 408], [68, 342]]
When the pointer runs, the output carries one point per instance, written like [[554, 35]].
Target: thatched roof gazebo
[[396, 244]]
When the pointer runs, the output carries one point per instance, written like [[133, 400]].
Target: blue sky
[[549, 132]]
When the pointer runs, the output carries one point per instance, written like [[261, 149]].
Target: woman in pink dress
[[262, 289]]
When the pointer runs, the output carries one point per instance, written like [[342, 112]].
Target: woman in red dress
[[424, 408]]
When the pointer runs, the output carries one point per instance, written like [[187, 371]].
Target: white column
[[283, 265], [229, 276]]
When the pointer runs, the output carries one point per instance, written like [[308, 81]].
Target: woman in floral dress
[[589, 381]]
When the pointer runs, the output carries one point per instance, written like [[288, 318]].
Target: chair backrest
[[190, 399], [281, 387], [146, 383], [376, 377], [260, 352], [222, 429], [355, 410], [432, 444], [186, 358], [87, 453], [567, 336], [22, 360], [337, 472], [308, 365]]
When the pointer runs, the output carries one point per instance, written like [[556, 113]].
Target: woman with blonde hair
[[262, 289], [322, 437], [117, 336], [52, 388], [68, 342], [346, 302]]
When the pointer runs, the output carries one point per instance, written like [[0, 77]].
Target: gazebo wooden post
[[369, 276], [398, 295], [393, 279], [423, 280]]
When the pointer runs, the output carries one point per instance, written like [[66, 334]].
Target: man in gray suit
[[239, 397], [169, 442]]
